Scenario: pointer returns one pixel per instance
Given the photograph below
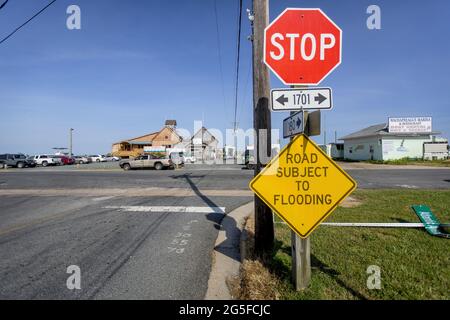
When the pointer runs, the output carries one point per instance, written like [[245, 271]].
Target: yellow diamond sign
[[302, 185]]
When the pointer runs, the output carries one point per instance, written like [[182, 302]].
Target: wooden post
[[300, 248], [301, 261], [264, 232]]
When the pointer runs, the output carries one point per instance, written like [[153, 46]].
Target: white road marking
[[168, 209], [407, 186], [103, 198]]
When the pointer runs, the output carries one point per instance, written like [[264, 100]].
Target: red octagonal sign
[[302, 46]]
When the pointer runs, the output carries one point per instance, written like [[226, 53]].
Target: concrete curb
[[227, 253]]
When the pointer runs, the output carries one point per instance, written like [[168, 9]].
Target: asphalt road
[[109, 175], [127, 243], [141, 234]]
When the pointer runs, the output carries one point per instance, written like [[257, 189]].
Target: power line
[[23, 24], [3, 4], [237, 64], [219, 53]]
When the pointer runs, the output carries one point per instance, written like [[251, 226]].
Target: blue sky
[[136, 63]]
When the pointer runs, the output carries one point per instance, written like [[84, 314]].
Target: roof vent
[[171, 123]]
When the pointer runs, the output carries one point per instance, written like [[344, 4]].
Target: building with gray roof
[[378, 143]]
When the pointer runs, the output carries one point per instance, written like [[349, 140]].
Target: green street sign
[[430, 221]]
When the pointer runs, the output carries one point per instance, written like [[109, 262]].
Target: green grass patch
[[408, 161], [414, 264]]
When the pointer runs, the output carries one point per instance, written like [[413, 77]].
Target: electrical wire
[[3, 4], [237, 64], [26, 22]]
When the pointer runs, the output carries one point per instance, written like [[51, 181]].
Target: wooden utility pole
[[264, 232]]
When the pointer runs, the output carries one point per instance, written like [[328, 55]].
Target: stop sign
[[302, 46]]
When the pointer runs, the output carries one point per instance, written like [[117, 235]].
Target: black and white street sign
[[293, 125], [298, 99]]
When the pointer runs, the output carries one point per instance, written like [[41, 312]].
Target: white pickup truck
[[47, 160]]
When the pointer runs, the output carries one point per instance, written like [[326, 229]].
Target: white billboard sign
[[154, 149], [410, 125]]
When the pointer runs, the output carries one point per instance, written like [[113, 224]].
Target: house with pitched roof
[[167, 137], [203, 145]]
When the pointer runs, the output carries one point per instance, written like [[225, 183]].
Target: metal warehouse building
[[378, 142]]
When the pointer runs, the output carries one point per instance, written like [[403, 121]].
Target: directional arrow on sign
[[282, 99], [320, 98], [301, 99]]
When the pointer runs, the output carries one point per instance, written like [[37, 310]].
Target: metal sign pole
[[300, 248]]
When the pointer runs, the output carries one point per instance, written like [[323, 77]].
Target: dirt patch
[[255, 281], [350, 202]]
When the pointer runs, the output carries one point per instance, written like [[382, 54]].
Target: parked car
[[66, 160], [98, 158], [177, 158], [112, 158], [47, 160], [146, 161], [17, 160], [82, 159], [189, 159]]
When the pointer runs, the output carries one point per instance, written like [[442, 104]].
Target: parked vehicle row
[[20, 160], [157, 161]]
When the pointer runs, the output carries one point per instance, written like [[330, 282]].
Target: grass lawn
[[406, 161], [414, 265]]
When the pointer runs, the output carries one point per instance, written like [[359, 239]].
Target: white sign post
[[301, 99]]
